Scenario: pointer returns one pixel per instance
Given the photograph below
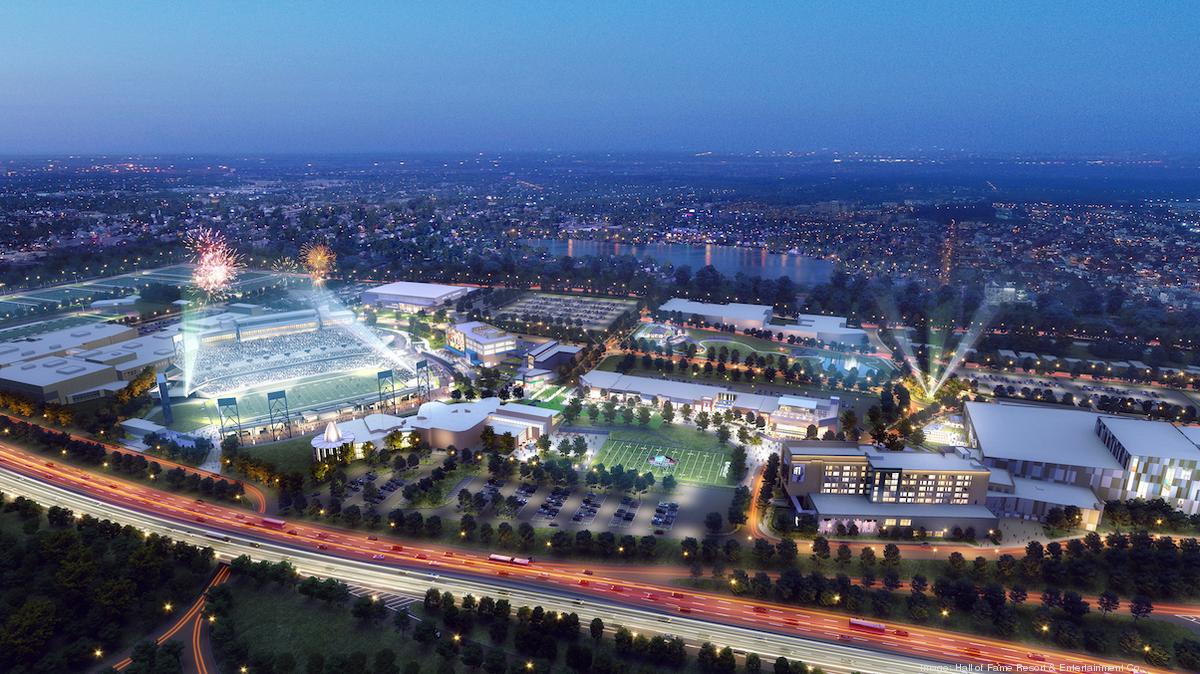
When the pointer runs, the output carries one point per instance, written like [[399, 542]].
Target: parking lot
[[1079, 388], [595, 313]]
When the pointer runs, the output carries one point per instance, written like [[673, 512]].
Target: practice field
[[691, 465]]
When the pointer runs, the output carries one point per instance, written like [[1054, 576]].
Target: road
[[747, 625], [193, 618], [252, 491]]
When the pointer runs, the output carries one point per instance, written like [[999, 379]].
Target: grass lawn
[[743, 343], [293, 454], [285, 621], [690, 465], [656, 433]]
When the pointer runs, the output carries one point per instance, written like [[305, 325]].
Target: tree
[[891, 556], [1140, 607], [596, 629], [713, 522], [820, 549], [403, 619], [844, 555], [1108, 602]]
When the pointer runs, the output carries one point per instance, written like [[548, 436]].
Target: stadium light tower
[[423, 388], [386, 382], [277, 409], [227, 412]]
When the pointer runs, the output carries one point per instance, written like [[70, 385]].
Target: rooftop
[[855, 505], [743, 312], [680, 390], [1041, 434], [57, 341], [50, 370], [1141, 437], [1053, 492], [429, 291], [482, 332], [930, 461], [825, 448]]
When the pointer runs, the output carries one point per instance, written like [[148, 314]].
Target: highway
[[817, 636]]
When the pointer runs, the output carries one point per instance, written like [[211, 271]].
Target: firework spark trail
[[216, 263], [318, 261]]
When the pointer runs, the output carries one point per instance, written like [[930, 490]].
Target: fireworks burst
[[286, 265], [217, 264], [318, 261]]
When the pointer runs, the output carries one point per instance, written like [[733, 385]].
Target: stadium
[[323, 359]]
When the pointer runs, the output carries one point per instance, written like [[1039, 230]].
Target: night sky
[[599, 76]]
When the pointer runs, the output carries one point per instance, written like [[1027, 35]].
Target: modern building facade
[[442, 425], [481, 343], [1115, 458], [784, 415], [844, 484]]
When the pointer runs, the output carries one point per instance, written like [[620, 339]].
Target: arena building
[[80, 363], [57, 379], [411, 296], [1113, 458]]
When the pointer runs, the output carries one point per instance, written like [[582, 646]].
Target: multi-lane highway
[[816, 636]]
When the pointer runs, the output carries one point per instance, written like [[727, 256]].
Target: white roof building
[[742, 315], [445, 424], [1118, 458], [60, 342], [410, 294]]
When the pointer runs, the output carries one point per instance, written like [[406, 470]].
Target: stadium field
[[691, 465], [316, 393]]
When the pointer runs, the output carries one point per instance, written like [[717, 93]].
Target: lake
[[728, 260]]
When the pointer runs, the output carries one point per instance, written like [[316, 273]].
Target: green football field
[[321, 391], [691, 465]]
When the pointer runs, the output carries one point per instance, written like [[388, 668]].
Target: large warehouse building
[[412, 296], [1110, 457], [82, 362], [831, 329]]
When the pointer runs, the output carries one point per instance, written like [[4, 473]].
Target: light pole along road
[[753, 626]]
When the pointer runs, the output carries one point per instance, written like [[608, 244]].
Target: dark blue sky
[[274, 77]]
